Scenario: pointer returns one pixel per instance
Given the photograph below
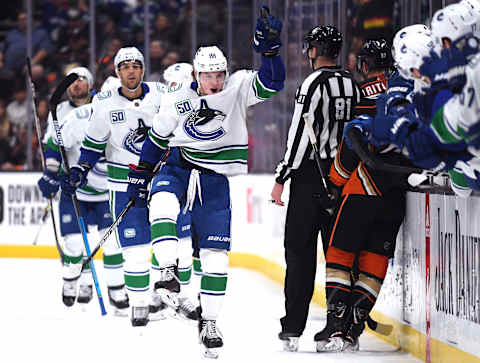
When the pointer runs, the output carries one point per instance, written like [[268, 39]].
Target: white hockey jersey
[[119, 127], [461, 112], [63, 109], [211, 130], [73, 129], [455, 119]]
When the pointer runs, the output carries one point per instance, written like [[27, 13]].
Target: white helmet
[[474, 7], [472, 4], [209, 59], [110, 82], [453, 22], [128, 54], [83, 72], [178, 72], [410, 51], [408, 30]]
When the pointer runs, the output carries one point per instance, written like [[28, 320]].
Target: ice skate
[[290, 341], [168, 286], [186, 309], [330, 339], [118, 298], [69, 292], [139, 316], [210, 338], [355, 329], [85, 293], [157, 308]]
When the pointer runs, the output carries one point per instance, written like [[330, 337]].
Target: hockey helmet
[[128, 54], [110, 82], [376, 54], [209, 59], [178, 72], [82, 72], [410, 52], [326, 39], [474, 5], [453, 22], [411, 29]]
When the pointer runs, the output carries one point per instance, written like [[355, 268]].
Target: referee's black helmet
[[376, 54], [326, 39]]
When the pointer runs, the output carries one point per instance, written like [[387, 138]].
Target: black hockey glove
[[138, 179]]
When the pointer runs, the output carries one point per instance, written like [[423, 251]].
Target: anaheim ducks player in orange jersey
[[366, 220]]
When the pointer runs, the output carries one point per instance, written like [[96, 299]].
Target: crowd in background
[[61, 40]]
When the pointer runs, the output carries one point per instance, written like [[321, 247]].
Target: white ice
[[35, 326]]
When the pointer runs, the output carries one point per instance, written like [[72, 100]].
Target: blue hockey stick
[[54, 101]]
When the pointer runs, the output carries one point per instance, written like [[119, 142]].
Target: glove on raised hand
[[76, 179], [49, 184], [266, 39], [138, 179]]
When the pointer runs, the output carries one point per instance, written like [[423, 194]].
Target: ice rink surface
[[37, 327]]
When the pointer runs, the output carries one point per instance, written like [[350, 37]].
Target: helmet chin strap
[[311, 61]]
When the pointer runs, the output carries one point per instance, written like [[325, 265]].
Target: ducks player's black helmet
[[326, 38], [376, 54]]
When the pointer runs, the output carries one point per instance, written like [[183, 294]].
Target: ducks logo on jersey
[[133, 142], [204, 123]]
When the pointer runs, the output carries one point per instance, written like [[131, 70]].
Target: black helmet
[[376, 54], [326, 38]]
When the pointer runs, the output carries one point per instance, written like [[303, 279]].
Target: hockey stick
[[44, 163], [42, 222], [316, 155], [108, 233], [383, 329], [130, 204], [54, 101]]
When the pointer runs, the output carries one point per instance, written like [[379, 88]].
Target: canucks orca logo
[[202, 117], [133, 142]]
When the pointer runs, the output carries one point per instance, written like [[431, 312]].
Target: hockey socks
[[137, 274], [113, 266]]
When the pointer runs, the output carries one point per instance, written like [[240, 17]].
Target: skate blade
[[349, 348], [290, 345], [211, 353], [332, 345], [179, 316], [169, 298], [159, 315], [122, 313]]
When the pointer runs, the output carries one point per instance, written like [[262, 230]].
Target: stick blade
[[61, 89]]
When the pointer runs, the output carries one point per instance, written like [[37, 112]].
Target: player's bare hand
[[277, 194]]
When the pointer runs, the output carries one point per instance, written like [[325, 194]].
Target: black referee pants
[[306, 217]]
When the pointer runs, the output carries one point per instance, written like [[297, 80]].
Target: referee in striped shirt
[[328, 95]]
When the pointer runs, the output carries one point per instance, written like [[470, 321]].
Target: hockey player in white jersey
[[451, 134], [79, 93], [205, 124], [120, 120], [177, 74], [93, 201]]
